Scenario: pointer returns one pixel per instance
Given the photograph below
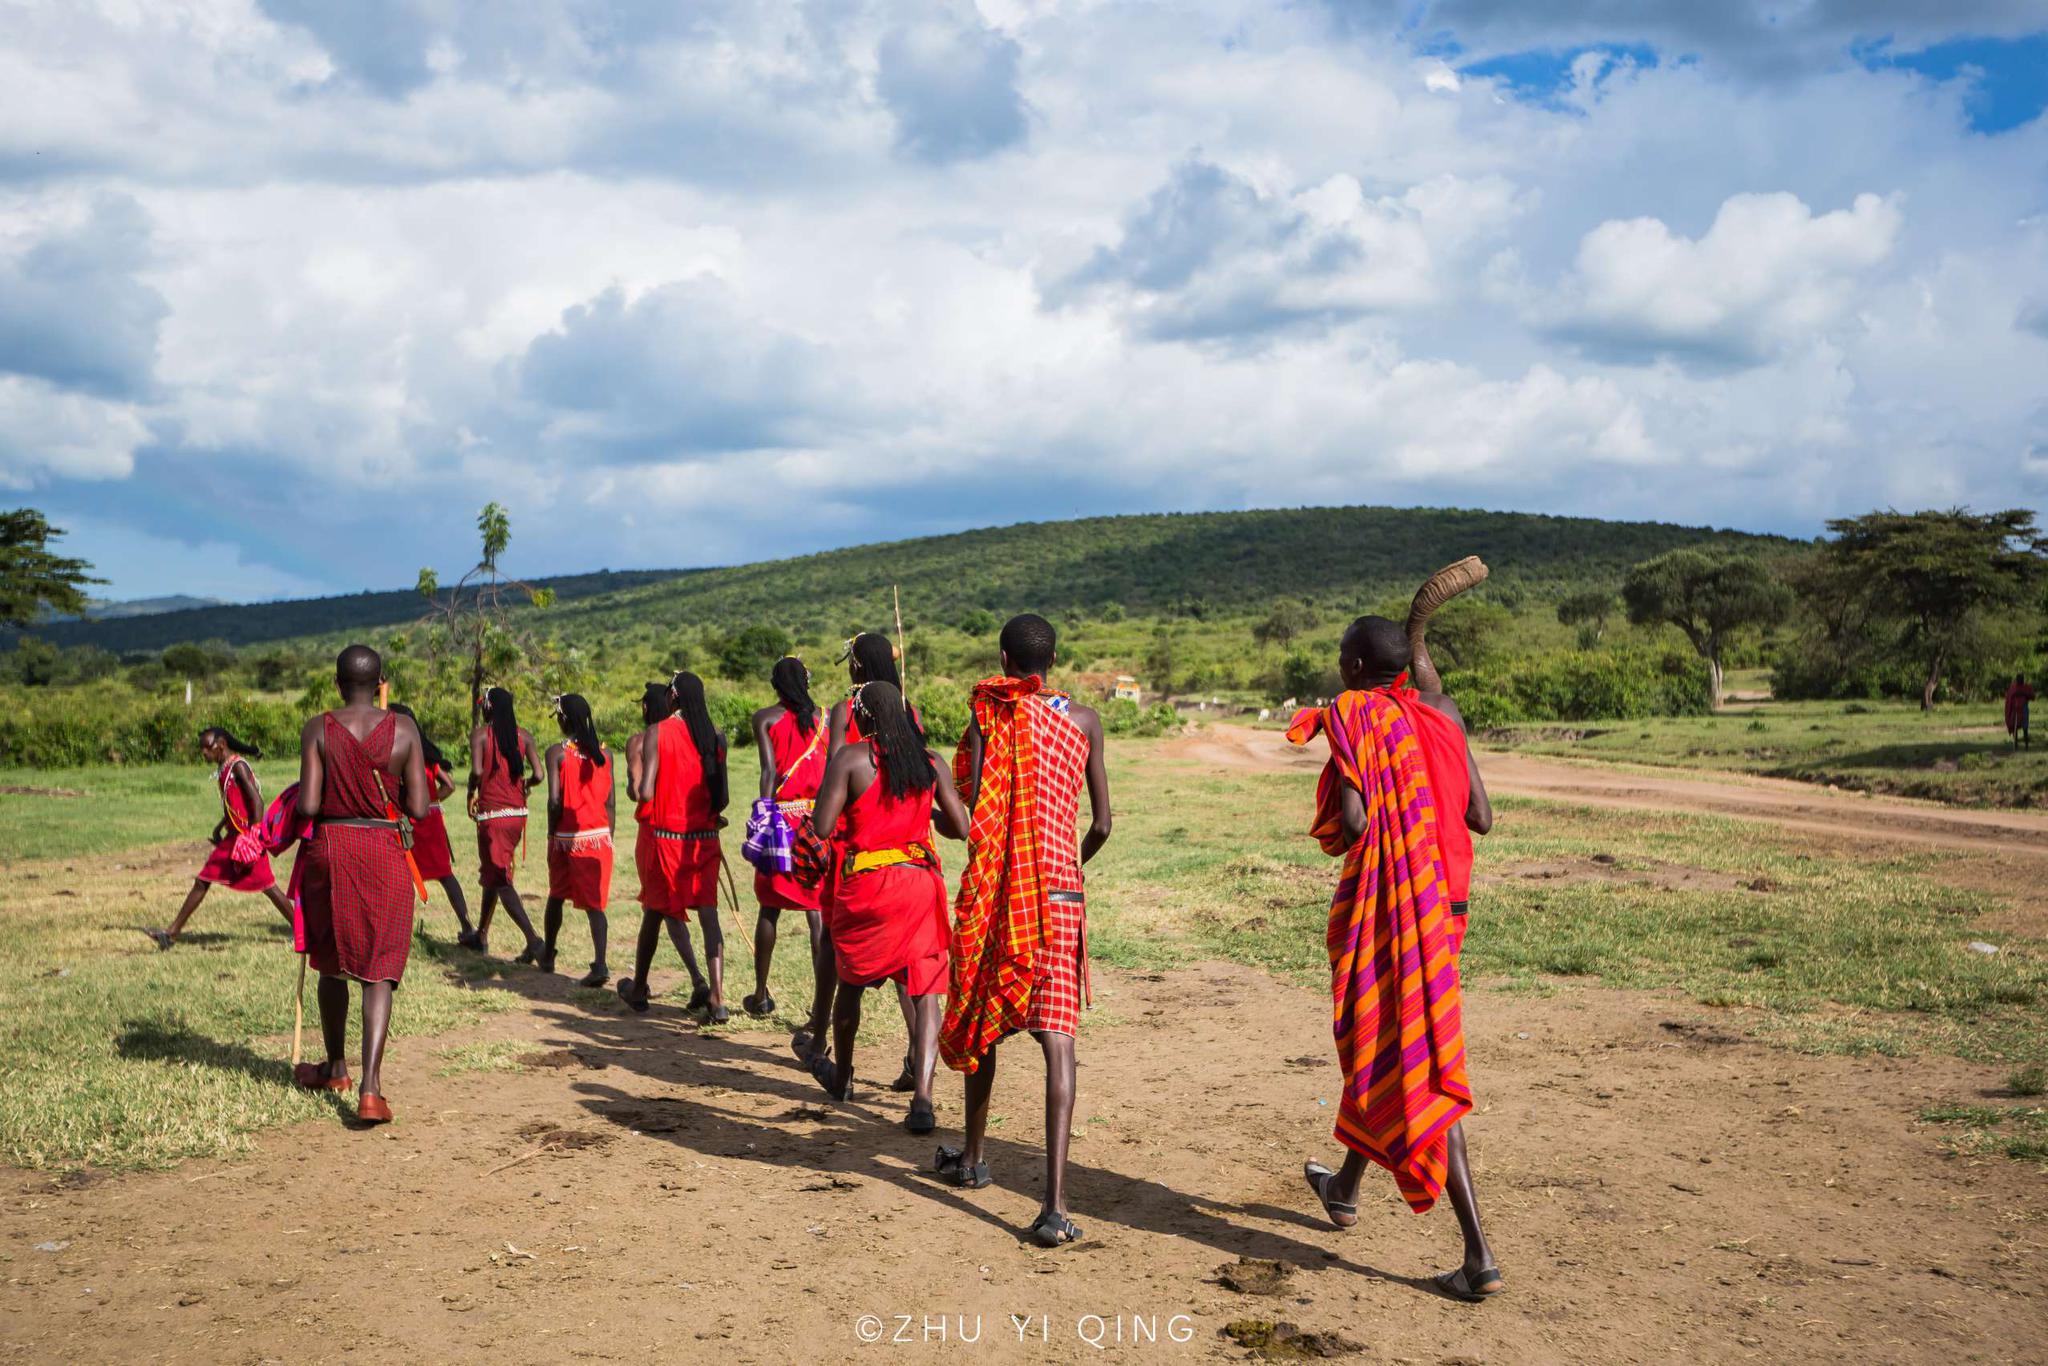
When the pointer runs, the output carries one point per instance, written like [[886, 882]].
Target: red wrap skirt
[[497, 845], [580, 871], [889, 924], [677, 876], [357, 896], [430, 849], [222, 870]]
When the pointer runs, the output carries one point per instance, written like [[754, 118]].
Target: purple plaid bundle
[[770, 840]]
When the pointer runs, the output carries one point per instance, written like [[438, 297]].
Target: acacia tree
[[33, 578], [1939, 572], [1588, 611], [1707, 597], [1287, 620], [475, 617]]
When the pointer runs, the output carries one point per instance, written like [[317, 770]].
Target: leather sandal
[[372, 1110]]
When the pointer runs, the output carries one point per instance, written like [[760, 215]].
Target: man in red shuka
[[581, 817], [359, 768], [682, 776]]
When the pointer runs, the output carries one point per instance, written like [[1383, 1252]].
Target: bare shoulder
[[1442, 702], [769, 715], [555, 752], [1087, 718]]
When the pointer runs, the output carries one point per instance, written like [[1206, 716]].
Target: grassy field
[[1953, 754], [121, 1056]]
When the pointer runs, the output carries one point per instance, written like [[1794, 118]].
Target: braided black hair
[[235, 744], [901, 760], [688, 692], [430, 753], [792, 684], [655, 703], [577, 723], [876, 658], [505, 728]]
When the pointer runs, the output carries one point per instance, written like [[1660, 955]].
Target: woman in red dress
[[241, 804], [656, 703], [502, 770], [431, 852], [581, 816], [888, 906], [791, 739]]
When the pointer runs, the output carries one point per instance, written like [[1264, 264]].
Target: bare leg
[[845, 1025], [981, 1084], [764, 946], [1059, 1115], [643, 950], [483, 919], [927, 1014], [714, 956], [600, 932], [452, 885], [1458, 1181], [333, 998], [281, 901], [192, 900], [906, 1080], [679, 935], [824, 982], [517, 910], [551, 922], [376, 1027]]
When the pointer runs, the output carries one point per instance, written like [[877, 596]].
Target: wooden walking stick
[[299, 1016], [1440, 588], [902, 651]]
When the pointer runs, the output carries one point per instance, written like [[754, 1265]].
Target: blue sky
[[288, 288]]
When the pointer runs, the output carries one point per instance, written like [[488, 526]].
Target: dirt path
[[1786, 804], [1658, 1189]]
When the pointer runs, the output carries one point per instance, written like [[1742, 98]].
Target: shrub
[[1579, 685]]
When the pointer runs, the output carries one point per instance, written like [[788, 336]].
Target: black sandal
[[1054, 1230], [529, 954], [545, 961], [821, 1072], [760, 1007], [951, 1163], [1470, 1289], [632, 997], [700, 998], [1336, 1211], [807, 1045], [922, 1119], [164, 939], [470, 939], [719, 1016], [906, 1080], [599, 974]]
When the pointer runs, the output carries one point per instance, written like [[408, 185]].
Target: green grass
[[117, 807], [2018, 1131], [1957, 753], [121, 1056]]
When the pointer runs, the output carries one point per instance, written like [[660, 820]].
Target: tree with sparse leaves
[[475, 617], [1707, 597], [1288, 619], [33, 578], [1587, 610], [1938, 572]]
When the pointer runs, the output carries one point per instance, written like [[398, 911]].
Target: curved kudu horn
[[1440, 588]]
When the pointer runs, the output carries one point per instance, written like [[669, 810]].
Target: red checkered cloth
[[357, 888], [1033, 761], [1056, 981]]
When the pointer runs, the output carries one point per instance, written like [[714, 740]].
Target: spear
[[902, 654]]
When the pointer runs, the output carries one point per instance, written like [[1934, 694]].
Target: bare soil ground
[[1658, 1186]]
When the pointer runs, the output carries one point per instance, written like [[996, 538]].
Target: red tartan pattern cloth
[[357, 893], [1001, 917], [1056, 979]]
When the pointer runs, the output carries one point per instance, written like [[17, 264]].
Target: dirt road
[[1785, 804], [1658, 1189]]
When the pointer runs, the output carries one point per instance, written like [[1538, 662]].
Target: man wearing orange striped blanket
[[1399, 801]]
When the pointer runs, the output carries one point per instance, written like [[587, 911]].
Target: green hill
[[1191, 565]]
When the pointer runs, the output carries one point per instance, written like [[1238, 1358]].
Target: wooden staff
[[902, 652]]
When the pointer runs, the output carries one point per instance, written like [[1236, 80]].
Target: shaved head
[[1379, 644], [358, 669], [1027, 642]]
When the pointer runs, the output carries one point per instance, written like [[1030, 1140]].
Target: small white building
[[1127, 689]]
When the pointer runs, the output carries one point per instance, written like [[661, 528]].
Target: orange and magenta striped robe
[[1393, 972]]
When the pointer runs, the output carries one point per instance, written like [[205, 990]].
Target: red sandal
[[372, 1110], [314, 1076]]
